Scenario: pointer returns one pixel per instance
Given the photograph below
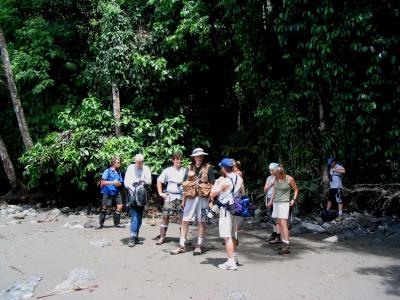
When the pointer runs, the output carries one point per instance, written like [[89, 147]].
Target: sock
[[340, 213], [234, 254], [231, 260], [199, 241], [285, 242], [182, 241]]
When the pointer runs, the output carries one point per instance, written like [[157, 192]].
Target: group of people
[[195, 190]]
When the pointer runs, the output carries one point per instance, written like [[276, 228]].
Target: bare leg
[[229, 246], [329, 205], [284, 228]]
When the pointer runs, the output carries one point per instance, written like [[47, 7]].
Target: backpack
[[241, 206], [137, 197], [328, 215]]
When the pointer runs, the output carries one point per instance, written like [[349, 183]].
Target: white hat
[[139, 157], [198, 152]]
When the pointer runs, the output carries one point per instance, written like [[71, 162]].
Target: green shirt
[[282, 190]]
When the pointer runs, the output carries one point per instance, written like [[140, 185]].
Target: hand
[[183, 204], [269, 205], [210, 204], [292, 202], [117, 183], [163, 195]]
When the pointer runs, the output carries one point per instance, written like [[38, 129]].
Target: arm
[[146, 175], [267, 186], [340, 170], [269, 204], [129, 177], [159, 189], [296, 190], [105, 182]]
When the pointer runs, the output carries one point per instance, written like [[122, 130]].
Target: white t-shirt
[[271, 183], [173, 178], [336, 182], [134, 174], [234, 182]]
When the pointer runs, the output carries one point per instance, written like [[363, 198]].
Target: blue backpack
[[241, 206]]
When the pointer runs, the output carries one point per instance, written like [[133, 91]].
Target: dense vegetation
[[292, 81]]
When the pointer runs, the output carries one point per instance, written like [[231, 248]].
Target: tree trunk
[[23, 126], [324, 166], [8, 166], [116, 109]]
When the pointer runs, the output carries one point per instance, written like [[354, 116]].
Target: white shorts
[[227, 224], [193, 208], [280, 210]]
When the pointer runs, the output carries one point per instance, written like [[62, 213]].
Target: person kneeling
[[226, 189]]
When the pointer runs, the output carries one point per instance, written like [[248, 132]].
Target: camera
[[213, 211]]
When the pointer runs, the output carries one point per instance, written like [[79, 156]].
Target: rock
[[48, 216], [298, 229], [91, 223], [101, 243], [13, 222], [20, 215], [21, 290], [313, 227], [76, 277], [73, 225], [66, 210], [331, 239]]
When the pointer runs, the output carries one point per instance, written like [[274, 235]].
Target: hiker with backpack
[[172, 177], [275, 237], [111, 181], [137, 178], [197, 185], [336, 172], [281, 202], [227, 188]]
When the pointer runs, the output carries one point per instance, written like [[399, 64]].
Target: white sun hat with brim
[[198, 152]]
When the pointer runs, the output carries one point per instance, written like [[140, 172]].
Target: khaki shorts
[[227, 224], [193, 209], [280, 210]]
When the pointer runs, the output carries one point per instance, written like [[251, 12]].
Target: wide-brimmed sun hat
[[198, 152]]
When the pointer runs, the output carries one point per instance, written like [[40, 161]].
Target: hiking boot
[[99, 226], [338, 219], [131, 242], [271, 237], [197, 251], [227, 266], [178, 250], [284, 250], [138, 242], [276, 241]]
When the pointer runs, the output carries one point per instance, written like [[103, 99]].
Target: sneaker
[[236, 260], [284, 250], [131, 242], [197, 251], [227, 266], [138, 242], [178, 250]]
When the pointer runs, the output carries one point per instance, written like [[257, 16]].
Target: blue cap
[[226, 163], [331, 160]]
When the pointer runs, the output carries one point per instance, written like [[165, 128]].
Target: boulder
[[313, 227], [91, 223]]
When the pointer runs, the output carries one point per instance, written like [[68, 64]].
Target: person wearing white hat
[[193, 206], [135, 174]]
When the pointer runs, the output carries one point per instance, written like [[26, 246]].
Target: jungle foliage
[[293, 81]]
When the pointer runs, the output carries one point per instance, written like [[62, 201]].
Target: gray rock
[[76, 277], [21, 290], [91, 223], [66, 210], [20, 215], [48, 216], [298, 229], [101, 243], [13, 222], [331, 239], [313, 227]]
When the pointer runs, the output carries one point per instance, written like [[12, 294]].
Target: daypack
[[137, 197], [328, 215], [241, 206]]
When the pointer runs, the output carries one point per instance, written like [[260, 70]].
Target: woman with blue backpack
[[281, 201], [226, 189]]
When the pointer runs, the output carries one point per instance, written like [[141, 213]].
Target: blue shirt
[[111, 175]]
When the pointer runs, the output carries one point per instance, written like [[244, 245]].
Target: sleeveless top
[[282, 190]]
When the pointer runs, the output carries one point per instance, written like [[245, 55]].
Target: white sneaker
[[236, 260], [227, 266]]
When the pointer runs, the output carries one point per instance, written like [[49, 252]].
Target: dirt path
[[360, 269]]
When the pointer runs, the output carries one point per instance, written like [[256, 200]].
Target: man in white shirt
[[136, 174], [336, 172], [172, 177], [226, 189]]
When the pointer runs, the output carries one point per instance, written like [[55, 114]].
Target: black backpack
[[137, 197], [328, 215]]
